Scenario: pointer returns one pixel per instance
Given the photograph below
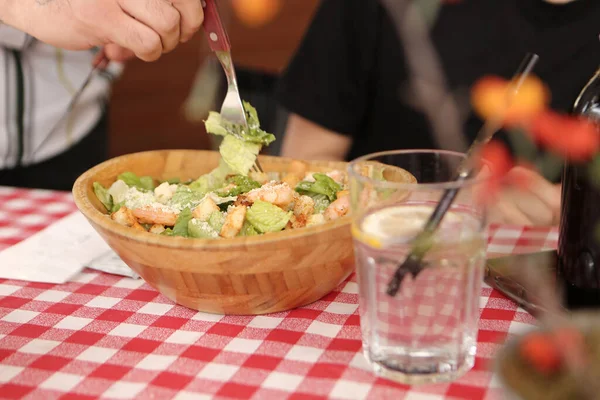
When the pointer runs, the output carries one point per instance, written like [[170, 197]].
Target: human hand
[[111, 52], [147, 28], [535, 203]]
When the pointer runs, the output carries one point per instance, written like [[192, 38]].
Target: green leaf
[[181, 225], [255, 134], [117, 206], [266, 217], [186, 197], [321, 201], [147, 183], [132, 180], [103, 195], [216, 220], [217, 125], [167, 232], [248, 230], [171, 181], [322, 185], [201, 230], [238, 154], [213, 180], [243, 184]]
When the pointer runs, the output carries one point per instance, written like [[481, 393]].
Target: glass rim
[[450, 184]]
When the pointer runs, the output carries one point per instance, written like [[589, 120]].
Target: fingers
[[158, 15], [537, 203], [117, 53], [548, 194], [100, 60], [127, 32], [533, 207], [505, 211], [192, 16]]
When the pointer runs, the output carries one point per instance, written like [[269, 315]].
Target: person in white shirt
[[47, 52]]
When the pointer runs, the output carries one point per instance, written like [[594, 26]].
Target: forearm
[[11, 12], [14, 17], [306, 140]]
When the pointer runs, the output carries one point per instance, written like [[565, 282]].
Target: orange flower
[[540, 351], [489, 95], [573, 138], [256, 13], [496, 157]]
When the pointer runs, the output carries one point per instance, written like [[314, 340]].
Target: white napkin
[[59, 252]]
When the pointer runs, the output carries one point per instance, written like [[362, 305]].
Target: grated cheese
[[135, 198]]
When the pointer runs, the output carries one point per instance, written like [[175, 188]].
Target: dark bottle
[[579, 242]]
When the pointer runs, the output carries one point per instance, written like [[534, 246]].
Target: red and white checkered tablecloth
[[105, 336]]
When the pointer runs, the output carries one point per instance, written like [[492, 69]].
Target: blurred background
[[161, 105]]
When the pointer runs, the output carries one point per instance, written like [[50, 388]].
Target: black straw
[[421, 244]]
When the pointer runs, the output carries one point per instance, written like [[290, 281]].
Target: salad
[[231, 200]]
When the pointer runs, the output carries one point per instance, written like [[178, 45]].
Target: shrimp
[[203, 210], [151, 215], [342, 193], [279, 194], [337, 209], [303, 209], [124, 216], [233, 222]]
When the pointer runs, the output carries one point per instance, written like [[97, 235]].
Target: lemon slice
[[399, 224]]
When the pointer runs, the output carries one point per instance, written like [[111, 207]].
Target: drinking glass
[[427, 332]]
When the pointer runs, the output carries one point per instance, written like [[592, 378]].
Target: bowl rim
[[102, 220]]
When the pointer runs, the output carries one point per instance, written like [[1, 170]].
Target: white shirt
[[51, 77]]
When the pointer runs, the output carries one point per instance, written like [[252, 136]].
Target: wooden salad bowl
[[244, 275]]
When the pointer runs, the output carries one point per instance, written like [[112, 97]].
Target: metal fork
[[218, 40]]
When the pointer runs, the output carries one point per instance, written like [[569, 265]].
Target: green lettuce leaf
[[217, 125], [266, 217], [243, 184], [248, 229], [239, 155], [167, 232], [322, 185], [255, 134], [321, 202], [181, 225], [132, 180], [216, 220], [117, 206], [103, 195], [201, 230], [186, 197], [213, 180]]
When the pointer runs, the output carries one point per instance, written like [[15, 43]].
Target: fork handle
[[213, 27]]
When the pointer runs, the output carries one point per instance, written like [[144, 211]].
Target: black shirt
[[349, 72]]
